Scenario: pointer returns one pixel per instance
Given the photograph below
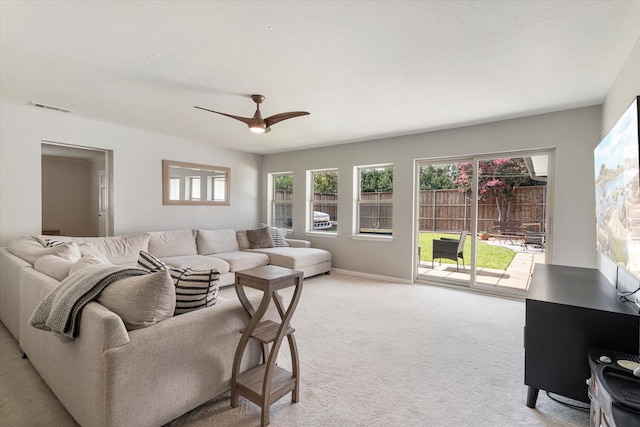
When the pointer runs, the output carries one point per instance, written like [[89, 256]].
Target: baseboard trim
[[372, 276]]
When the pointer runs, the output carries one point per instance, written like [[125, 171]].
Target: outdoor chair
[[533, 238], [449, 249]]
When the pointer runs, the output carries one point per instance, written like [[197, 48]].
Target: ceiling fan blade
[[283, 116], [246, 120]]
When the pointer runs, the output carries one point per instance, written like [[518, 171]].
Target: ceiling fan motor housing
[[256, 123]]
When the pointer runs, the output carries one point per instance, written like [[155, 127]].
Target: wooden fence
[[439, 210], [450, 210]]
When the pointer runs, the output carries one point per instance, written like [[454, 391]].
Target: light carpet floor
[[372, 353]]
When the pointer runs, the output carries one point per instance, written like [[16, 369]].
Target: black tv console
[[568, 310]]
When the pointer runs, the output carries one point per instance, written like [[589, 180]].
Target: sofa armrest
[[298, 243], [10, 269], [97, 323]]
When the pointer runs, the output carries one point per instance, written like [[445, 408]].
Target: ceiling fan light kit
[[256, 123]]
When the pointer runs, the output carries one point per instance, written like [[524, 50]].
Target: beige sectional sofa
[[111, 376]]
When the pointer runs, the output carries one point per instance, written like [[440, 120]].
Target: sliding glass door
[[444, 215], [482, 221]]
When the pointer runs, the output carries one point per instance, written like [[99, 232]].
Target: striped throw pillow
[[151, 262], [51, 243], [195, 289], [279, 240], [278, 236]]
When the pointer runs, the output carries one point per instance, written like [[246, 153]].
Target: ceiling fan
[[256, 123]]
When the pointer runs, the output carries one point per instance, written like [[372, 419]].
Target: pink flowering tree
[[498, 180]]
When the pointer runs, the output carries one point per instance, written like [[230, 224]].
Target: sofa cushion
[[197, 262], [118, 249], [172, 243], [216, 241], [53, 266], [295, 257], [29, 248], [141, 301], [242, 260], [260, 238]]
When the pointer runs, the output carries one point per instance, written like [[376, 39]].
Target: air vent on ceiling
[[50, 107]]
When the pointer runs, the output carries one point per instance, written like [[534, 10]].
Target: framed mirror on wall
[[195, 184]]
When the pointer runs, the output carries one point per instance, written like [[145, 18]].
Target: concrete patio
[[516, 276]]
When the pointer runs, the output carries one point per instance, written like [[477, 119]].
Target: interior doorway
[[76, 190], [482, 221]]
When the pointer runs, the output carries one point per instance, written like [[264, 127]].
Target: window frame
[[359, 202], [273, 202], [311, 202], [216, 185], [194, 187]]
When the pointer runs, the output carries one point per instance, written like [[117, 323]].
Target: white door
[[103, 204]]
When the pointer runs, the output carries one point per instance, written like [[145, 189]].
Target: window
[[282, 200], [193, 187], [174, 188], [324, 201], [217, 188], [374, 203]]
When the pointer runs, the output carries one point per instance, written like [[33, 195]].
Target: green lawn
[[488, 256]]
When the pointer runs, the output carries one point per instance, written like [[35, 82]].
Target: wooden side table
[[267, 383]]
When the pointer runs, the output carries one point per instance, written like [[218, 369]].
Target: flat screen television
[[617, 183]]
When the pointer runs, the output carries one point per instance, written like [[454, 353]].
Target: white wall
[[573, 134], [137, 165], [625, 87]]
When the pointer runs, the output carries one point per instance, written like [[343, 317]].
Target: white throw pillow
[[53, 266], [89, 260], [87, 249], [141, 301]]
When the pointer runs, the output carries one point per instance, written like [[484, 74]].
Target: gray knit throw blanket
[[59, 311]]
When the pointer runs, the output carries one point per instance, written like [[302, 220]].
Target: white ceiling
[[364, 70]]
